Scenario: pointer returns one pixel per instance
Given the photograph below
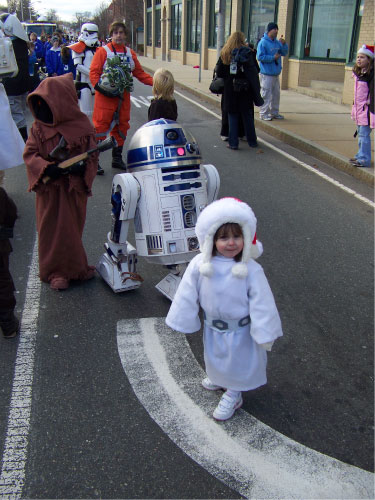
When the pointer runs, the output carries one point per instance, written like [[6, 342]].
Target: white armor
[[89, 34], [165, 191], [82, 62]]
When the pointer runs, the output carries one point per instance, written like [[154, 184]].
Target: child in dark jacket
[[163, 105], [8, 215]]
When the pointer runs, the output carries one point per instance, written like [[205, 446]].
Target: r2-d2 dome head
[[165, 160], [162, 144], [89, 34]]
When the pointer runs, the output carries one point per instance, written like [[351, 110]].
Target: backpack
[[8, 63]]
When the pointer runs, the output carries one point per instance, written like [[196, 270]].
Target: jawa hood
[[54, 105], [55, 100]]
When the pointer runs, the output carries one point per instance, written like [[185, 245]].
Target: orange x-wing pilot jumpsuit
[[105, 107]]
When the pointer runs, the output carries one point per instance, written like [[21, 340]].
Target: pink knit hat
[[215, 215]]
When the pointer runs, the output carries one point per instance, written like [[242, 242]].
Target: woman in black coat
[[237, 65]]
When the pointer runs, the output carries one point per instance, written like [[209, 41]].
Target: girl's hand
[[267, 346]]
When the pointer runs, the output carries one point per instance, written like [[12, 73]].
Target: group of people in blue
[[51, 54]]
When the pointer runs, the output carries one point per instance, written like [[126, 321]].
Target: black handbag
[[217, 84]]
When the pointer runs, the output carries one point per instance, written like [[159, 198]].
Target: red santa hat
[[215, 215], [368, 50]]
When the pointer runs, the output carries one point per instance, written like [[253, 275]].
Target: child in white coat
[[241, 320]]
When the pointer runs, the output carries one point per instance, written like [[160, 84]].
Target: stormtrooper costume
[[82, 53], [241, 320]]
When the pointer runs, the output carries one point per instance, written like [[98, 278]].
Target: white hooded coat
[[234, 358]]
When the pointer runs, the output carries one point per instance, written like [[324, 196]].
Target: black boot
[[23, 132], [9, 323], [117, 161], [100, 171]]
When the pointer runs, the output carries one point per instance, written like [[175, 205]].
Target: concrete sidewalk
[[315, 126]]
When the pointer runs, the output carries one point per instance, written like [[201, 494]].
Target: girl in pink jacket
[[363, 105]]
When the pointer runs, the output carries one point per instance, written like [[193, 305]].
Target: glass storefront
[[149, 27], [157, 37], [323, 29], [176, 13], [193, 29], [213, 25], [256, 14]]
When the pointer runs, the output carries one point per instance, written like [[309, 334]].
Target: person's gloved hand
[[53, 171], [78, 168]]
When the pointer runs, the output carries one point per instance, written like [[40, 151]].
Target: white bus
[[40, 28]]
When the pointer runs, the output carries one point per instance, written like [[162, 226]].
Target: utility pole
[[21, 10]]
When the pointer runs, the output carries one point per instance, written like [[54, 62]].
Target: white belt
[[223, 325]]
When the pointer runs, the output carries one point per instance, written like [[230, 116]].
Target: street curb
[[324, 154]]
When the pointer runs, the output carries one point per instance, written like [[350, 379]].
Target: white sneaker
[[227, 406], [278, 117], [207, 384], [224, 137], [266, 118]]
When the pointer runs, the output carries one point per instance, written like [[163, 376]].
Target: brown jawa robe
[[61, 203]]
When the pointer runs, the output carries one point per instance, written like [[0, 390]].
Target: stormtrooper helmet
[[12, 26], [89, 34]]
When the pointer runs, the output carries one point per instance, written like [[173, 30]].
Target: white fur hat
[[215, 215]]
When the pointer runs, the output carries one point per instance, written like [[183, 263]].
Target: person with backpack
[[237, 67]]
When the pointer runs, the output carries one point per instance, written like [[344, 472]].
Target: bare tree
[[103, 19], [51, 16]]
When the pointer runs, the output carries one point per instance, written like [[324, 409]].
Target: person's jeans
[[364, 145], [247, 115]]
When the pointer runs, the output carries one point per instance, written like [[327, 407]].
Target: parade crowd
[[79, 93]]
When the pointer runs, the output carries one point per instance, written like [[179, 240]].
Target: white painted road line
[[12, 476], [245, 454], [292, 158]]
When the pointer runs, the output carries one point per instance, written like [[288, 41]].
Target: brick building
[[323, 35]]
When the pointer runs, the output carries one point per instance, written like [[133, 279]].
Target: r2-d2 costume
[[82, 54], [164, 192]]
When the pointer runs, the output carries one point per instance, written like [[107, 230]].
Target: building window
[[149, 4], [256, 14], [149, 28], [213, 23], [193, 30], [157, 33], [212, 28], [325, 30], [329, 28], [176, 13], [357, 27]]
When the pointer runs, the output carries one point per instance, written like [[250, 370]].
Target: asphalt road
[[89, 435]]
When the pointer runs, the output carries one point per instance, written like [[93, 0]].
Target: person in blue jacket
[[53, 58], [59, 60], [39, 48], [269, 52]]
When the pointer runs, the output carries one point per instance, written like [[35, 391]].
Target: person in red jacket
[[105, 117]]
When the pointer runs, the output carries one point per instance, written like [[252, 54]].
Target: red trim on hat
[[255, 239], [231, 198]]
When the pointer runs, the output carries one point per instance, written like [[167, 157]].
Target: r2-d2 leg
[[117, 265]]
